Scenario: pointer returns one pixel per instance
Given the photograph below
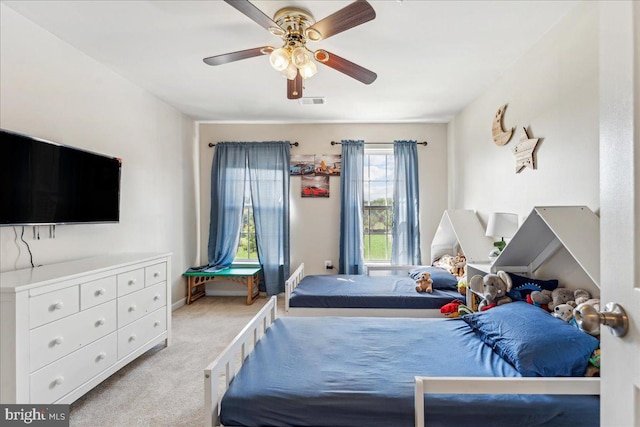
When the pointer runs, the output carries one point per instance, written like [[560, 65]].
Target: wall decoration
[[328, 164], [314, 186], [524, 151], [301, 164], [500, 136]]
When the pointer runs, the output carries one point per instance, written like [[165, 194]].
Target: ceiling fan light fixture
[[308, 70], [279, 59], [300, 57], [290, 72]]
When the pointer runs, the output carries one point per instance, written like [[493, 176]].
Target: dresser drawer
[[97, 292], [155, 274], [136, 305], [130, 281], [57, 339], [141, 331], [61, 377], [53, 306]]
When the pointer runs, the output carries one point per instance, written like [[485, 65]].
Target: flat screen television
[[43, 183]]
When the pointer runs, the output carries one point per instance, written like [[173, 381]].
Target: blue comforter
[[362, 291], [360, 372]]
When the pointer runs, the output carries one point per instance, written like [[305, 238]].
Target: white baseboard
[[225, 293], [176, 305]]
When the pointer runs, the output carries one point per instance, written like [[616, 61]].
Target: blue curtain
[[405, 249], [351, 259], [269, 175], [227, 201]]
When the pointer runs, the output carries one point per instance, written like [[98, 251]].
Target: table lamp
[[502, 225]]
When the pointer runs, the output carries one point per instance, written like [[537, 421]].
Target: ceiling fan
[[296, 26]]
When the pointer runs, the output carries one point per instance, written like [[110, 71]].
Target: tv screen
[[42, 182]]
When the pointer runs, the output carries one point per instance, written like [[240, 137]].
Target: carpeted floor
[[165, 386]]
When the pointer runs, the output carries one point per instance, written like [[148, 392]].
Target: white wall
[[552, 91], [315, 222], [50, 90]]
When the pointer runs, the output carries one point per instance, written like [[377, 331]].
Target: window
[[378, 204], [247, 247]]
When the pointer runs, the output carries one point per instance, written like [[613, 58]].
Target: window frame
[[387, 207]]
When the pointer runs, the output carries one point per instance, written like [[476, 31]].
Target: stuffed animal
[[558, 296], [564, 311], [462, 287], [459, 264], [540, 299], [493, 288], [425, 283], [451, 309]]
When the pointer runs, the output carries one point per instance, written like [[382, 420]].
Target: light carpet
[[165, 386]]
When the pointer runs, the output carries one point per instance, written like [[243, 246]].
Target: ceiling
[[432, 57]]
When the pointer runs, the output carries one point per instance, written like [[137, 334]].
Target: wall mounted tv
[[43, 183]]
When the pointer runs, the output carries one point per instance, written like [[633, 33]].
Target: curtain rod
[[293, 144], [417, 143]]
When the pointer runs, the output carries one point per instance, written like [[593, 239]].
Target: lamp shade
[[502, 225]]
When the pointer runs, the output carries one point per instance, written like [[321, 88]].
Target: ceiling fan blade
[[348, 17], [347, 67], [237, 56], [248, 9], [294, 87]]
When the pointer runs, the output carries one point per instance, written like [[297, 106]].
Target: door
[[620, 207]]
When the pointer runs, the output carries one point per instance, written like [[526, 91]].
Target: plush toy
[[580, 296], [564, 311], [540, 299], [451, 309], [425, 283], [459, 264], [493, 288], [462, 287]]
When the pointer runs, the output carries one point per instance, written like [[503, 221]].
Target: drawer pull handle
[[58, 380], [156, 274], [156, 298], [132, 308], [101, 356], [57, 341], [100, 291], [100, 322], [132, 282], [57, 305], [132, 338], [156, 324]]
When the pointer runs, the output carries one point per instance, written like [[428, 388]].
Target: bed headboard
[[460, 230], [561, 242]]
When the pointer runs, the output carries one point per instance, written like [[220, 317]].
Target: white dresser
[[66, 327]]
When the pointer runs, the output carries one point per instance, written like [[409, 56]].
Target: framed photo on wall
[[314, 186], [301, 164], [328, 164]]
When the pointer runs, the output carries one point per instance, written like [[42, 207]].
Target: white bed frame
[[296, 277], [218, 375], [493, 385]]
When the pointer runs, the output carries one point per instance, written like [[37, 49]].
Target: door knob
[[589, 319]]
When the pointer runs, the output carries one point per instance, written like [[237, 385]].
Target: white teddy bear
[[564, 311]]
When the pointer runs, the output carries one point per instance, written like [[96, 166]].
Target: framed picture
[[328, 164], [314, 186], [301, 164]]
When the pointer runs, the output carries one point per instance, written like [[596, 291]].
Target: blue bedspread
[[362, 291], [360, 372]]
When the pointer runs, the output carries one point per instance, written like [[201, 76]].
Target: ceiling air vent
[[312, 100]]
